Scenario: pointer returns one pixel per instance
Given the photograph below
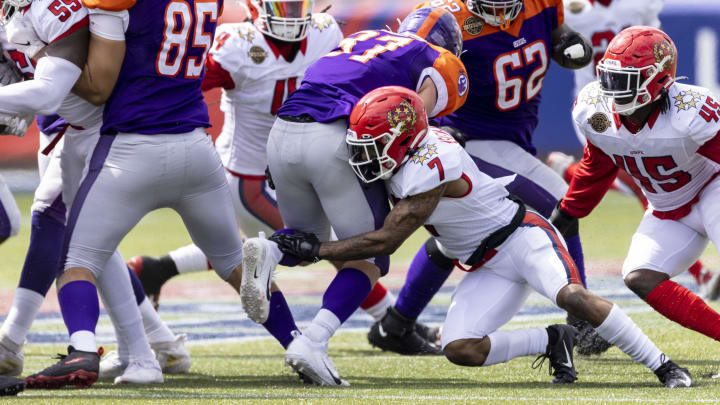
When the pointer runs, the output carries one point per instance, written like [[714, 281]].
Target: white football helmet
[[10, 7], [286, 20]]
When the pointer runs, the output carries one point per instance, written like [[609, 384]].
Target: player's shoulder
[[109, 5], [694, 110], [323, 23], [588, 101], [51, 25], [239, 44], [323, 35], [533, 7]]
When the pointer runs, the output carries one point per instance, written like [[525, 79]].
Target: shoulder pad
[[323, 21], [109, 5], [235, 44], [696, 111]]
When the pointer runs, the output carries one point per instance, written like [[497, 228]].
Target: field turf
[[245, 368]]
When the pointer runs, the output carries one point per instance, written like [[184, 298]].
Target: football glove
[[303, 245], [575, 49], [9, 72], [14, 125], [457, 134], [564, 222]]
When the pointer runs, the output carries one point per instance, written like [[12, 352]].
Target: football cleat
[[76, 368], [429, 333], [141, 372], [153, 274], [559, 162], [560, 355], [258, 267], [672, 375], [173, 357], [587, 340], [11, 357], [397, 333], [310, 360], [111, 366], [10, 385], [710, 288]]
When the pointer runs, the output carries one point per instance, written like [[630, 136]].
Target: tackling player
[[317, 190], [666, 135], [507, 250]]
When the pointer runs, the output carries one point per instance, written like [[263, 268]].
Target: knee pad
[[436, 256]]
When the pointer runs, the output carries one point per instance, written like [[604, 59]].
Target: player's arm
[[105, 57], [216, 76], [570, 49], [443, 86], [428, 92]]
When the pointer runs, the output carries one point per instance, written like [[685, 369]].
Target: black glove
[[564, 222], [567, 40], [303, 245], [457, 134]]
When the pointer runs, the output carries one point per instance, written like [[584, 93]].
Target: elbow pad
[[574, 48]]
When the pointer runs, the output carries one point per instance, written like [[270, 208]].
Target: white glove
[[9, 72], [22, 35], [14, 125]]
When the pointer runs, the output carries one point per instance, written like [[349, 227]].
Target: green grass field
[[254, 371]]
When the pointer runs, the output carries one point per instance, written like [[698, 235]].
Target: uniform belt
[[49, 148], [302, 118]]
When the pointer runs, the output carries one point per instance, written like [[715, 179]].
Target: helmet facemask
[[625, 89], [496, 13], [10, 8], [285, 20], [369, 157]]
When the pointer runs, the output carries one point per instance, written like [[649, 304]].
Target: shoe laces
[[539, 360]]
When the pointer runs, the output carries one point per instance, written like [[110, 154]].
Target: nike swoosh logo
[[567, 354], [381, 330], [25, 44], [337, 380], [256, 268]]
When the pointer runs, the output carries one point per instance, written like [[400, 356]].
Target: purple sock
[[347, 291], [137, 287], [79, 306], [288, 260], [280, 322], [576, 252], [423, 281], [43, 255]]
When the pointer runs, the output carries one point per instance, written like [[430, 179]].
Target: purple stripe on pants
[[5, 225], [100, 153], [377, 198]]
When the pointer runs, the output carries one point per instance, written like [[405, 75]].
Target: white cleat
[[173, 357], [258, 267], [141, 372], [111, 366], [310, 360], [11, 358], [710, 290], [559, 162]]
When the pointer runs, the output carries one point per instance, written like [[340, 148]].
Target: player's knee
[[642, 282], [466, 352], [574, 299], [436, 256]]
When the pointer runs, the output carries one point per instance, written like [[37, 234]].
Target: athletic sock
[[423, 280], [343, 296], [506, 345], [378, 301], [189, 259], [43, 255], [621, 331], [155, 328], [575, 249], [280, 322], [80, 310], [25, 306], [681, 305]]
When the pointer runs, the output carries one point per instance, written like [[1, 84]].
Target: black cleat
[[77, 368], [672, 375], [10, 385], [431, 334], [397, 333], [153, 274], [560, 354], [587, 340]]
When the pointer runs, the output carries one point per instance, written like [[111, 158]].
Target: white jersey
[[600, 23], [262, 81], [662, 157], [459, 224], [52, 22]]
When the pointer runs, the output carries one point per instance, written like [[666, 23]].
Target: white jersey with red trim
[[663, 157], [53, 20], [459, 223], [261, 80], [600, 23]]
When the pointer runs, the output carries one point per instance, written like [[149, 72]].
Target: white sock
[[378, 310], [506, 345], [83, 340], [25, 306], [322, 327], [155, 329], [189, 259], [621, 331]]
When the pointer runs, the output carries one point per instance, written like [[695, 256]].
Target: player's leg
[[9, 213]]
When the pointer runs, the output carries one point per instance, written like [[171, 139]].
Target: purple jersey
[[158, 89], [506, 70], [370, 59], [49, 124]]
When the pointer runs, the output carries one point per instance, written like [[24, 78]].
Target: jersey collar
[[287, 50]]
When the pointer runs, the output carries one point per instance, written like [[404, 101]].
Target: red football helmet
[[639, 63], [386, 126], [286, 20]]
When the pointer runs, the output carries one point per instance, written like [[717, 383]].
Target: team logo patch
[[462, 84], [687, 99], [661, 50], [473, 25], [404, 115], [257, 54], [322, 21], [424, 154], [599, 122]]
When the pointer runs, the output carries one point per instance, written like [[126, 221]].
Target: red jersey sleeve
[[711, 148], [591, 181], [216, 76]]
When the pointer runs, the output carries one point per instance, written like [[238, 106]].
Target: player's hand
[[303, 245], [22, 35], [573, 49], [457, 134], [14, 125], [564, 222], [9, 73]]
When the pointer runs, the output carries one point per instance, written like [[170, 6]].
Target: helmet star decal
[[402, 115], [248, 35], [661, 50], [425, 154], [590, 96], [321, 21], [687, 99]]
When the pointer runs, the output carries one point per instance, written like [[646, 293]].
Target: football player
[[507, 250], [666, 136], [316, 190], [257, 63], [600, 22]]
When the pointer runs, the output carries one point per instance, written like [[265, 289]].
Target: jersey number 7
[[179, 19]]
